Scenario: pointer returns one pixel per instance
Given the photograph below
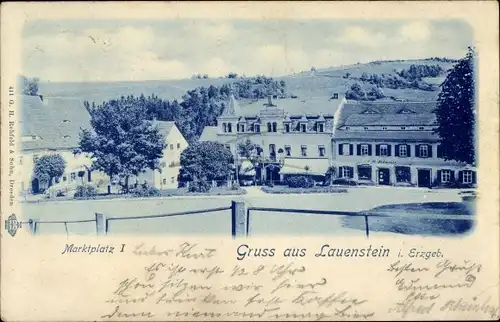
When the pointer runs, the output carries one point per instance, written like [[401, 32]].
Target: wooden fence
[[240, 217]]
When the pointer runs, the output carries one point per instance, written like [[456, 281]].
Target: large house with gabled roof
[[389, 143], [292, 133], [51, 125]]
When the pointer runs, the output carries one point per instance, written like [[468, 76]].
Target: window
[[346, 149], [365, 128], [229, 127], [445, 176], [364, 149], [383, 150], [287, 127], [228, 147], [402, 150], [21, 160], [256, 128], [402, 128], [321, 150], [424, 152], [73, 176], [346, 172], [384, 127], [321, 127], [347, 128], [66, 121], [275, 127], [303, 150], [224, 126], [171, 146], [303, 127], [269, 127], [64, 178], [35, 158], [33, 137], [242, 127], [178, 146], [164, 181], [172, 180], [171, 164], [288, 150], [467, 176], [421, 128]]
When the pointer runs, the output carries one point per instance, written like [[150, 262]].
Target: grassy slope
[[324, 82]]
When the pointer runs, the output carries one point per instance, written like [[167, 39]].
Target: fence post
[[33, 225], [239, 219], [367, 230], [100, 223]]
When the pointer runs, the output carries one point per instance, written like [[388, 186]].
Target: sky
[[133, 50]]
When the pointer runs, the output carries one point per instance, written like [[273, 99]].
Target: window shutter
[[429, 147], [439, 175], [417, 151], [460, 176], [377, 149], [440, 151], [389, 147], [351, 149], [396, 153], [341, 146], [358, 149], [408, 150], [369, 149], [474, 177], [351, 172]]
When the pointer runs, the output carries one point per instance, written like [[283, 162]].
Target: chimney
[[270, 100], [41, 97]]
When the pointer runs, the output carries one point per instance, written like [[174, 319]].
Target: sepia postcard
[[250, 161]]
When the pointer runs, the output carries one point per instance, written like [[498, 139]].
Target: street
[[262, 223]]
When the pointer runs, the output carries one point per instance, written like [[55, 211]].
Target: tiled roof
[[387, 113], [386, 135], [56, 122], [295, 107], [164, 126], [209, 134]]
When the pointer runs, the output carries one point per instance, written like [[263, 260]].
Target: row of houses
[[383, 143], [51, 125]]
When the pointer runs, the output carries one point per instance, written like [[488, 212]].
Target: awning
[[246, 168], [314, 166]]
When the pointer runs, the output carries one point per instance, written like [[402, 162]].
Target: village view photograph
[[247, 127]]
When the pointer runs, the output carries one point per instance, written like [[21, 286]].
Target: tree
[[456, 111], [202, 162], [250, 151], [375, 93], [122, 141], [356, 92], [30, 85], [48, 167]]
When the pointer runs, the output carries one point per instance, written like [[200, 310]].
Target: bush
[[199, 186], [235, 186], [345, 181], [144, 190], [85, 191], [300, 182]]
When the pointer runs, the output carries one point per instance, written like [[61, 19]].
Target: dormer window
[[66, 121], [369, 112], [256, 128], [66, 136], [287, 127], [406, 111], [303, 127], [321, 127]]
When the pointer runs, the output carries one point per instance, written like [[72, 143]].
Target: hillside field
[[323, 82]]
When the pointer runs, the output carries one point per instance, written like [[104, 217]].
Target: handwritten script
[[192, 282]]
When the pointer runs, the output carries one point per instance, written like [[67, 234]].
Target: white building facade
[[394, 144]]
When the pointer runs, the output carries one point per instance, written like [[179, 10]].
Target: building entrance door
[[424, 177], [384, 176]]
